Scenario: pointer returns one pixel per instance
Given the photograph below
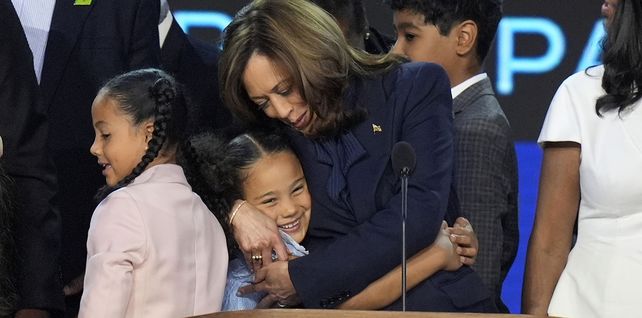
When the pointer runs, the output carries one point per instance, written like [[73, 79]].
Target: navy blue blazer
[[353, 246]]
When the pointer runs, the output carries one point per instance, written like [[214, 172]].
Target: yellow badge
[[376, 128], [82, 2]]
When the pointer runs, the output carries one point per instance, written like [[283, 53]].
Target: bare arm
[[384, 291], [550, 242], [448, 252]]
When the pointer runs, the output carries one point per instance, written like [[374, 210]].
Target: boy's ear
[[466, 37]]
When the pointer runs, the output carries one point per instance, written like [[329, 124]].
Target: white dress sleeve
[[116, 244], [562, 121]]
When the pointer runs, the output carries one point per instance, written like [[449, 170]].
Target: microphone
[[404, 160]]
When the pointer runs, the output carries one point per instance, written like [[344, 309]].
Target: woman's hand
[[257, 235], [273, 279], [465, 240], [271, 301]]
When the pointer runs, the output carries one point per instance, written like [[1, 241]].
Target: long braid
[[203, 161], [163, 93]]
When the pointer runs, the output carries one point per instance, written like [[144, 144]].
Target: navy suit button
[[343, 296]]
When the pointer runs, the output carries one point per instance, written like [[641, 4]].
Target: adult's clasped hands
[[258, 237], [274, 280]]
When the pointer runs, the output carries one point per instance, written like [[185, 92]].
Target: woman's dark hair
[[306, 44], [622, 57], [216, 167], [7, 250], [149, 94]]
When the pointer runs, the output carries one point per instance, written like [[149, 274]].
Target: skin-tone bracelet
[[236, 210]]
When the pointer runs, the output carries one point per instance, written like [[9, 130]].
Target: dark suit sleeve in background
[[24, 131], [194, 63], [144, 38]]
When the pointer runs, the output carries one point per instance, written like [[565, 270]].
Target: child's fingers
[[460, 231], [469, 252], [462, 222], [463, 240], [467, 260]]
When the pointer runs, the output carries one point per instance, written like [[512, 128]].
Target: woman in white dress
[[592, 171]]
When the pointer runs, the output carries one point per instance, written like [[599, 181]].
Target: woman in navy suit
[[286, 62]]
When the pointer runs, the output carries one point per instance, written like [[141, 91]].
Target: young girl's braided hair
[[143, 95], [216, 166]]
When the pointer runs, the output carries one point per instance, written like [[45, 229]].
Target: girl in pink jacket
[[153, 249]]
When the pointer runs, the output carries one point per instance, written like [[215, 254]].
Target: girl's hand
[[257, 235], [465, 240]]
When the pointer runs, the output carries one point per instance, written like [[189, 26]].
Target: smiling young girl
[[261, 169], [153, 249]]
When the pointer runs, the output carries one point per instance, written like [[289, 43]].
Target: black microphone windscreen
[[403, 158]]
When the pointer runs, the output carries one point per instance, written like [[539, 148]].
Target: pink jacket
[[154, 250]]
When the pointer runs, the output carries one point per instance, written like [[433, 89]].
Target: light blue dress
[[239, 274]]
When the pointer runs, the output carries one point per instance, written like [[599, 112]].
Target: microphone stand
[[403, 162], [404, 212]]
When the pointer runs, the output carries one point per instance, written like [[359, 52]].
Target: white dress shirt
[[455, 91], [35, 17]]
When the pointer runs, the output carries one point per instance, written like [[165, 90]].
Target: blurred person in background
[[194, 63], [353, 20], [25, 160]]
